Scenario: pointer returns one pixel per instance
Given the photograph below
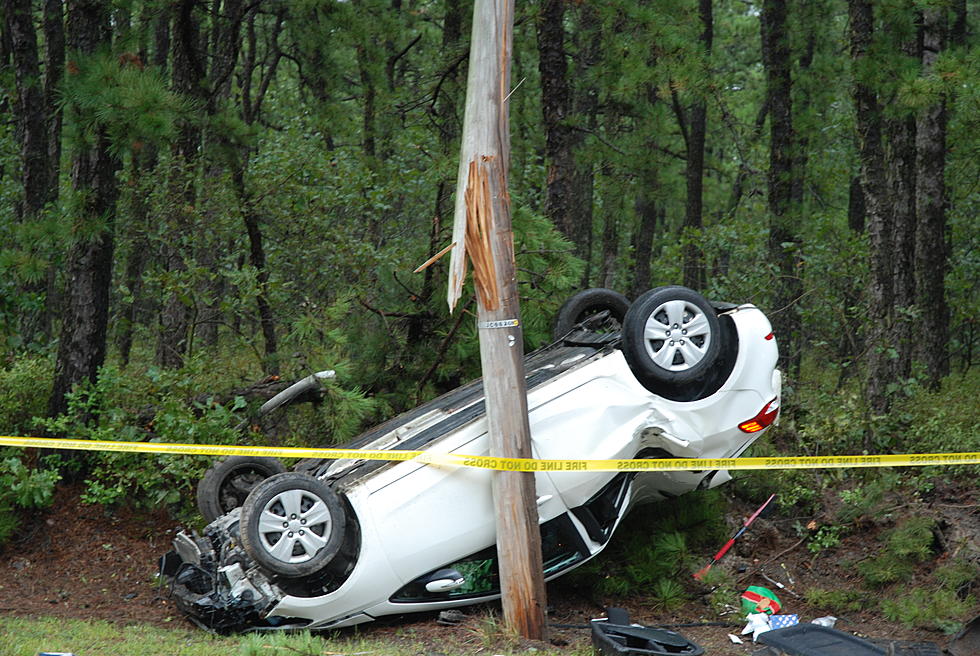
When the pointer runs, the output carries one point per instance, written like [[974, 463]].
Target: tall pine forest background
[[200, 196]]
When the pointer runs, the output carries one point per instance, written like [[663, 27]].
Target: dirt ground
[[78, 561]]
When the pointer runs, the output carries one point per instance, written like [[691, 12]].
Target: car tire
[[225, 486], [292, 524], [672, 339], [588, 303]]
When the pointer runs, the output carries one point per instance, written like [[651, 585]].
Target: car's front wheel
[[671, 339], [597, 310], [292, 524], [225, 486]]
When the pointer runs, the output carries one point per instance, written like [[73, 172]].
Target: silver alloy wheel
[[677, 335], [294, 525]]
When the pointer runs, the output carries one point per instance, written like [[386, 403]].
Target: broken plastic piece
[[616, 637], [815, 640], [758, 623], [828, 621]]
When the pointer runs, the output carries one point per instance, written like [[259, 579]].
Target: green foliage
[[838, 600], [906, 545], [723, 590], [661, 565], [116, 95], [25, 386], [826, 537], [938, 609], [22, 487], [110, 410]]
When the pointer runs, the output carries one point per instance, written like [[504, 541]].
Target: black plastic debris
[[967, 641], [451, 617], [909, 648], [816, 640], [615, 636]]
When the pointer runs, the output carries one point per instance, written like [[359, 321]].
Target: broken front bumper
[[213, 582]]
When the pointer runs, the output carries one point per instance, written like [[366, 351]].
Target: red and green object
[[728, 545], [757, 599]]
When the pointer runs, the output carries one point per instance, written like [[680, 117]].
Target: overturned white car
[[335, 543]]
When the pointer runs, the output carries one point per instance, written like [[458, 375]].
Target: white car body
[[417, 519]]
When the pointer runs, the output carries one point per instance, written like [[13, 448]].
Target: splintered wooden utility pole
[[482, 231]]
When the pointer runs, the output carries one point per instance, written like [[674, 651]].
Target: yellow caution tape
[[509, 464]]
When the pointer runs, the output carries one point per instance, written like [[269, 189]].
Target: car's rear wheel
[[671, 340], [598, 310], [292, 524], [225, 486]]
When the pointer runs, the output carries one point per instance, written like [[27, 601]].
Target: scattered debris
[[757, 599], [758, 623], [778, 584], [451, 617], [735, 639], [815, 640], [967, 641], [728, 545], [828, 621], [783, 621], [614, 635]]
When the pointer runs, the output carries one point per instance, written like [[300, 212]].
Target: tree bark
[[568, 196], [31, 124], [784, 248], [694, 275], [931, 251], [650, 214], [32, 131], [188, 73], [880, 295], [82, 347]]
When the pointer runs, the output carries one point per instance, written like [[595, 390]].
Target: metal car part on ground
[[340, 542]]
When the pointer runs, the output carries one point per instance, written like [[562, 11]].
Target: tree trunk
[[188, 73], [82, 346], [144, 164], [32, 135], [931, 252], [556, 108], [694, 276], [649, 213], [900, 178], [784, 249], [878, 219], [31, 125]]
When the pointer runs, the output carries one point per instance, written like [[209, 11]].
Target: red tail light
[[762, 420]]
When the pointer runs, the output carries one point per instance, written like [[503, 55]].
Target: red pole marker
[[728, 545]]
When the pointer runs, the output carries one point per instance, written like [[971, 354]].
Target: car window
[[561, 548]]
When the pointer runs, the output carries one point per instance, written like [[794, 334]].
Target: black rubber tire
[[304, 494], [225, 485], [688, 366], [589, 302]]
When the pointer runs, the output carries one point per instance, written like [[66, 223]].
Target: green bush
[[143, 409], [652, 551], [22, 487], [24, 390]]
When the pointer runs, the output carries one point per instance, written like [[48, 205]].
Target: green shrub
[[115, 409], [24, 390], [929, 609], [651, 552], [22, 487], [837, 600]]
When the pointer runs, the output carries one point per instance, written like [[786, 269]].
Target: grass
[[30, 636]]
